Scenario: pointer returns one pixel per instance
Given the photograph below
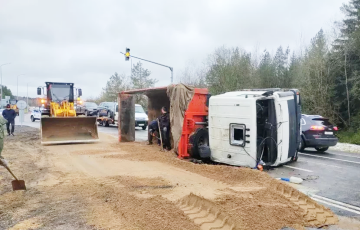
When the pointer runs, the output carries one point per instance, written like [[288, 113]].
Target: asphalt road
[[331, 175], [332, 178]]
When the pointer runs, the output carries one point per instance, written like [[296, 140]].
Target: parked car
[[110, 110], [107, 109], [317, 132], [141, 118], [88, 109], [36, 114]]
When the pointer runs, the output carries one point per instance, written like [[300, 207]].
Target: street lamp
[[1, 79], [17, 86]]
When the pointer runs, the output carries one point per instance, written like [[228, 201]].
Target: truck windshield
[[60, 92], [139, 109]]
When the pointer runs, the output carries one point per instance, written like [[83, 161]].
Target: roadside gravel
[[345, 147]]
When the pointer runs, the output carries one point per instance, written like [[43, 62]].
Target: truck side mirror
[[39, 91], [79, 92]]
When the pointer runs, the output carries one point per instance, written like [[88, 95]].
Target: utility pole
[[1, 79], [27, 96], [127, 55]]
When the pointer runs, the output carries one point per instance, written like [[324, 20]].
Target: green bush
[[349, 137]]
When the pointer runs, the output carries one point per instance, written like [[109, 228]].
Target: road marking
[[344, 155], [356, 162], [320, 164], [335, 204], [306, 170]]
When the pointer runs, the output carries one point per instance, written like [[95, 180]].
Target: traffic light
[[127, 54]]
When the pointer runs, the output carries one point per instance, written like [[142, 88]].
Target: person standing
[[3, 121], [10, 115], [165, 128]]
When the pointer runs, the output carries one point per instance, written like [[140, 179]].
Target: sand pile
[[256, 200]]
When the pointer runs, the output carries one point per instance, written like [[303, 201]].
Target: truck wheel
[[106, 124], [32, 118], [144, 127], [301, 145], [198, 140]]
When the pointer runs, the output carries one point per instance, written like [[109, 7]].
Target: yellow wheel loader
[[59, 122]]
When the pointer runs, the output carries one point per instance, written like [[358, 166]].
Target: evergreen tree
[[140, 79]]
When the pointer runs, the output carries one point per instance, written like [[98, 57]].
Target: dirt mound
[[265, 202], [134, 186]]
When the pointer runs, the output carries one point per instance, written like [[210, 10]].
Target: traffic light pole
[[171, 68]]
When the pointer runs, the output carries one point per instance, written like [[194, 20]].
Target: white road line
[[356, 162], [306, 170], [335, 205], [344, 155], [320, 164], [336, 202]]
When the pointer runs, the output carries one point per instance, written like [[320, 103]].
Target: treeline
[[139, 79], [327, 71]]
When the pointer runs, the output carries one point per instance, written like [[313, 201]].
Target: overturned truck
[[243, 128]]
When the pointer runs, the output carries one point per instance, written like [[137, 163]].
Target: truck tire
[[301, 145], [106, 124], [199, 139], [32, 118], [144, 127]]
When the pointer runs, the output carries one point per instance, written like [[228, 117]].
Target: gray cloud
[[79, 41]]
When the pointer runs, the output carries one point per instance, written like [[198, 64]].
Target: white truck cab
[[255, 126]]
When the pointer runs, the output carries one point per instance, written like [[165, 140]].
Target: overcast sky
[[79, 40]]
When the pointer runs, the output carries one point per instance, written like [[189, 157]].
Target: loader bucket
[[63, 130]]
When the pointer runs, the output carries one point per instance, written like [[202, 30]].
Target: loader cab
[[249, 127], [59, 92], [55, 92]]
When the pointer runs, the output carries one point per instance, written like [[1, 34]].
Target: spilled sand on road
[[110, 185]]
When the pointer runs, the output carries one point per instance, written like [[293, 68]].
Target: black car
[[107, 109], [88, 109], [317, 132]]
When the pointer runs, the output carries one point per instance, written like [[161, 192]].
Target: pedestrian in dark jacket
[[165, 127], [10, 115]]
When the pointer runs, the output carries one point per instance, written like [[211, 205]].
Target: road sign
[[21, 104]]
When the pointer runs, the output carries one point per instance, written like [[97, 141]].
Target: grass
[[349, 137]]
